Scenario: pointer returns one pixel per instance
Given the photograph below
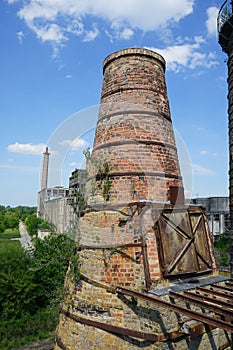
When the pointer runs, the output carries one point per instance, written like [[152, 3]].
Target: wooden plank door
[[183, 242]]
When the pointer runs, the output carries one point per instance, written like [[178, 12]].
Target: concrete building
[[59, 205], [77, 184], [53, 207], [142, 251], [53, 203], [218, 213]]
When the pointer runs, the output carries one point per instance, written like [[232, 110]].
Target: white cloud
[[91, 34], [186, 55], [68, 76], [20, 36], [55, 20], [126, 34], [52, 33], [20, 167], [6, 166], [200, 170], [27, 148], [74, 144], [204, 152], [211, 22], [74, 164]]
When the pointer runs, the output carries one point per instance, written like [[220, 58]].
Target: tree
[[33, 223], [11, 220], [50, 262], [223, 246], [32, 286]]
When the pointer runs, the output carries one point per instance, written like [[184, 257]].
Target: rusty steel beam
[[184, 311], [200, 301], [225, 289], [229, 284], [210, 299], [215, 292], [117, 246], [146, 264], [121, 330]]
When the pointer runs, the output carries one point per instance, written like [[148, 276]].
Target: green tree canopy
[[32, 286]]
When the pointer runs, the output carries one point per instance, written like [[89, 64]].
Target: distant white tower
[[44, 178]]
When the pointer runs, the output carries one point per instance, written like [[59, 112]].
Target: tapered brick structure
[[136, 235], [134, 134]]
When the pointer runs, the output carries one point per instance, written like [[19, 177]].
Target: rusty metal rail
[[154, 337], [215, 292], [209, 299], [216, 312], [225, 289], [217, 307], [116, 246], [203, 302], [207, 319]]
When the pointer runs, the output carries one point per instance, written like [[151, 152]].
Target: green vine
[[81, 203], [107, 254], [74, 266], [103, 177]]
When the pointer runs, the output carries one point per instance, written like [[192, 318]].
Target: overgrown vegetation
[[33, 224], [102, 180], [222, 246], [10, 217], [31, 286]]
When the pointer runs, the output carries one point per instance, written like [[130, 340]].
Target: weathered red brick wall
[[134, 132]]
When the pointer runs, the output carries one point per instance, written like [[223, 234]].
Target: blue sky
[[51, 75]]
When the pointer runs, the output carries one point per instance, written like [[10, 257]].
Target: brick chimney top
[[134, 51]]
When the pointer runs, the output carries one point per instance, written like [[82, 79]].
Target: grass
[[6, 244], [9, 234], [40, 326]]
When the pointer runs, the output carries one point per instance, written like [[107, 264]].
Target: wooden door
[[184, 242]]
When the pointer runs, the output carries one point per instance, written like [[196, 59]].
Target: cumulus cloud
[[27, 148], [53, 21], [74, 144], [186, 55], [200, 170], [211, 22]]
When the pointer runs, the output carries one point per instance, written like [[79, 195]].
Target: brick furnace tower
[[225, 30], [134, 143], [137, 239]]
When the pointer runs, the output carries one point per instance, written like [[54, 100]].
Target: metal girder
[[203, 302], [208, 299], [207, 319], [154, 337], [214, 291]]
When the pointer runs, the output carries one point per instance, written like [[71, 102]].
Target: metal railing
[[224, 14]]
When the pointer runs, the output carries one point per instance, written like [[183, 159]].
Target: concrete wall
[[56, 210], [218, 212]]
